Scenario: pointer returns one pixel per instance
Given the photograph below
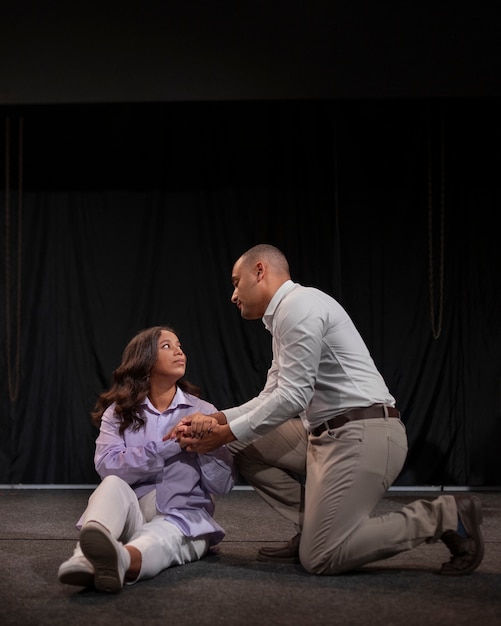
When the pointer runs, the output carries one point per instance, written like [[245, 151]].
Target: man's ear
[[259, 270]]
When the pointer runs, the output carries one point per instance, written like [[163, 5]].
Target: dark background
[[146, 145]]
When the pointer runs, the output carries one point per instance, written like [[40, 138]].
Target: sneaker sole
[[99, 549]]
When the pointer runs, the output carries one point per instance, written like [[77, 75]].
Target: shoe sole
[[475, 514], [99, 549]]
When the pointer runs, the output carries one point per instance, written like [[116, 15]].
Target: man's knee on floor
[[323, 564]]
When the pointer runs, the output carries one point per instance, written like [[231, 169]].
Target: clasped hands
[[201, 433]]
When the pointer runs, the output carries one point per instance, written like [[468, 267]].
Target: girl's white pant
[[138, 523]]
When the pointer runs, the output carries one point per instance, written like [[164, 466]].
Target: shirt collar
[[280, 293], [180, 399]]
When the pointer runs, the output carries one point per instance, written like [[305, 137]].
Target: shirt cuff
[[241, 429]]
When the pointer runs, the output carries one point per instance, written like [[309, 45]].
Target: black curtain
[[118, 217]]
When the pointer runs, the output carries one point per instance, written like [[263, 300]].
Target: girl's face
[[171, 360]]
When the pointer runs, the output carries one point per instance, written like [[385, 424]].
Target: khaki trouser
[[348, 471]]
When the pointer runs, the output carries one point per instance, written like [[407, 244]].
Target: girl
[[154, 506]]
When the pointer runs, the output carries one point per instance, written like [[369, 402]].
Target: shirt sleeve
[[297, 343], [132, 463]]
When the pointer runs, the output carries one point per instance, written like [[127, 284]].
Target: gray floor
[[37, 533]]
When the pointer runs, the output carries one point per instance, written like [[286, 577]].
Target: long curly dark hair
[[131, 380]]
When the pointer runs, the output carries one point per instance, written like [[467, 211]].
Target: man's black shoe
[[467, 552], [288, 553]]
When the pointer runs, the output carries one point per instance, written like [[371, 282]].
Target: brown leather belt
[[368, 412]]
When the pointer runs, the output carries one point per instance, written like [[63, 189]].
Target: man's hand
[[218, 435], [201, 433]]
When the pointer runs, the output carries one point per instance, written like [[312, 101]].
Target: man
[[349, 435]]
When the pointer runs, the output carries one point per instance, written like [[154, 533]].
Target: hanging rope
[[337, 234], [13, 372], [436, 320]]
